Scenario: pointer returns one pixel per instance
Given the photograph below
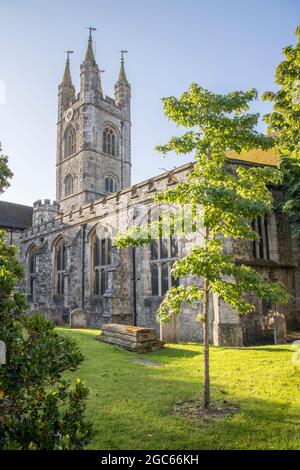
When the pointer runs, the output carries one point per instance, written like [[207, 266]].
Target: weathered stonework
[[77, 318], [117, 304], [88, 114]]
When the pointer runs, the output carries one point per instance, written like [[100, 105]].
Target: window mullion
[[159, 279], [159, 248]]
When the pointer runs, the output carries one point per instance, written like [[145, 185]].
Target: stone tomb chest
[[133, 338]]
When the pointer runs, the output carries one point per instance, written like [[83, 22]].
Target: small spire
[[89, 56], [122, 74], [67, 80]]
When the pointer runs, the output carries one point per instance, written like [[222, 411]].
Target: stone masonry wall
[[117, 303]]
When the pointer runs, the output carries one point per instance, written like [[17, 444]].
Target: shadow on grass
[[173, 351], [148, 421], [132, 405], [263, 349]]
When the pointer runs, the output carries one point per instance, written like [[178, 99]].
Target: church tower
[[93, 135]]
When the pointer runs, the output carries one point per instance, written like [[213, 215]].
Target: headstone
[[35, 312], [2, 353], [169, 331], [78, 318], [280, 334]]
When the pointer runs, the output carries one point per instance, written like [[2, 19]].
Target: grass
[[131, 404]]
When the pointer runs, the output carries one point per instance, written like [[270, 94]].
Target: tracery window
[[109, 141], [70, 142], [32, 271], [109, 184], [260, 246], [164, 252], [69, 185], [101, 260], [60, 266]]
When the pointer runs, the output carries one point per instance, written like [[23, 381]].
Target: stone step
[[293, 335]]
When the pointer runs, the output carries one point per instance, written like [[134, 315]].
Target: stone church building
[[70, 260]]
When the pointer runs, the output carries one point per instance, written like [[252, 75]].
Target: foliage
[[284, 123], [38, 408], [230, 200], [5, 173], [229, 280]]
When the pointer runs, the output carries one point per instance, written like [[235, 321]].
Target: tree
[[5, 172], [38, 407], [284, 122], [230, 202]]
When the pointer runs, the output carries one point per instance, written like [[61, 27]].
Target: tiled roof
[[15, 216], [266, 157]]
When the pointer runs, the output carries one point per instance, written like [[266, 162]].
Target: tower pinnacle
[[66, 90], [89, 56], [67, 80], [122, 74]]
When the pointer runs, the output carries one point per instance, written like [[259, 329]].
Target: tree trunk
[[206, 348]]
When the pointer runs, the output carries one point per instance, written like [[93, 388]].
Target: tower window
[[60, 266], [164, 251], [109, 141], [70, 142], [101, 260], [69, 185], [109, 184]]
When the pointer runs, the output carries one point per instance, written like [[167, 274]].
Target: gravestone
[[2, 353], [78, 318], [280, 333], [169, 331]]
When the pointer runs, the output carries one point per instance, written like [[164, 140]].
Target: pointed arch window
[[69, 185], [109, 184], [70, 142], [60, 266], [109, 141], [101, 260], [32, 271], [164, 252]]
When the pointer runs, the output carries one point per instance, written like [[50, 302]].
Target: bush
[[39, 409]]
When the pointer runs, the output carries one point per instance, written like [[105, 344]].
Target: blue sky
[[222, 45]]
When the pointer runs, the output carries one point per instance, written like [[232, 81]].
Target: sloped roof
[[15, 216], [266, 157]]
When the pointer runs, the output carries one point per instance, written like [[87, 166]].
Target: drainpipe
[[83, 266], [134, 285]]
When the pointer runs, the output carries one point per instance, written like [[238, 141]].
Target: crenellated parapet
[[44, 211]]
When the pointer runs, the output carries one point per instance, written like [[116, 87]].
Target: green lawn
[[130, 404]]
